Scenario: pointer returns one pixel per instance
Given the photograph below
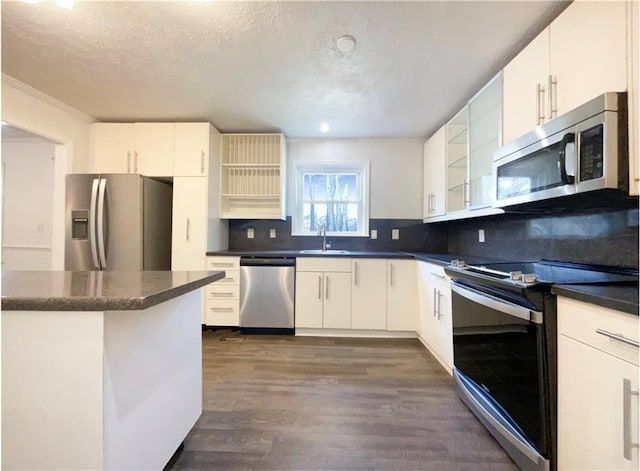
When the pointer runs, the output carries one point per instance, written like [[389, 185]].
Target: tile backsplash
[[598, 237], [414, 236], [603, 237]]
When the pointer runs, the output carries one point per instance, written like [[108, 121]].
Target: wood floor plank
[[316, 403]]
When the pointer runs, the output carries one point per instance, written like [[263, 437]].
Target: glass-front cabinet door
[[485, 125], [457, 162]]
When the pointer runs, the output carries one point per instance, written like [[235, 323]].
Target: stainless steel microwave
[[583, 150]]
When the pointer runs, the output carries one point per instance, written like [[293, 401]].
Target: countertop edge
[[87, 303], [580, 293]]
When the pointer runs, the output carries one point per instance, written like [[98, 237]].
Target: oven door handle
[[498, 304]]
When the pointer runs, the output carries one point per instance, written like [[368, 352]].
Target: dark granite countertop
[[439, 258], [97, 290], [621, 297]]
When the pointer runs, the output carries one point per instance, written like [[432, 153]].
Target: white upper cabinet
[[485, 120], [191, 156], [112, 147], [153, 151], [633, 25], [524, 86], [588, 53], [581, 55], [457, 153], [145, 148], [434, 168]]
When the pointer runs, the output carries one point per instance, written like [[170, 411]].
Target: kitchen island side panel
[[52, 390], [153, 381]]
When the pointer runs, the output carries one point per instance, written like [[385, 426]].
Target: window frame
[[362, 171]]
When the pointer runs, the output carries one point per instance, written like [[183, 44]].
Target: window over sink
[[333, 195]]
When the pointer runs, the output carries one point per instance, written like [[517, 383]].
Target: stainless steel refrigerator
[[117, 222]]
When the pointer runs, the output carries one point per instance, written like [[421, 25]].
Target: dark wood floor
[[303, 403]]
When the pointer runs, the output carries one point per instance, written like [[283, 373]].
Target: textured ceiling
[[269, 66]]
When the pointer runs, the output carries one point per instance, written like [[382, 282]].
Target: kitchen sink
[[324, 252]]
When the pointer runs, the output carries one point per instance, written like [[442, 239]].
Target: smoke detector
[[346, 43]]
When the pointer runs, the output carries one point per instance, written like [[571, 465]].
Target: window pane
[[335, 217], [330, 186]]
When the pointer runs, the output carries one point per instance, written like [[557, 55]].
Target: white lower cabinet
[[369, 294], [597, 388], [323, 293], [435, 327], [221, 299], [402, 295]]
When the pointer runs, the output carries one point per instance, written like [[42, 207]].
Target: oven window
[[535, 172], [504, 356]]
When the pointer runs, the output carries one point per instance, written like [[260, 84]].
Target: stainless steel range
[[504, 342]]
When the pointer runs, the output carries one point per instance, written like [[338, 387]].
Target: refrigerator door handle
[[92, 223], [102, 193]]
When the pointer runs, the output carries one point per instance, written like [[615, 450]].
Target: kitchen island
[[100, 370]]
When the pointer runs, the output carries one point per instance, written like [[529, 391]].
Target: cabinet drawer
[[222, 263], [216, 291], [232, 277], [436, 273], [337, 264], [222, 312], [580, 321]]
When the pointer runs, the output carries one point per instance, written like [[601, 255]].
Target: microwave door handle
[[567, 146]]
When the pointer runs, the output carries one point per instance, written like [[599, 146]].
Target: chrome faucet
[[322, 231]]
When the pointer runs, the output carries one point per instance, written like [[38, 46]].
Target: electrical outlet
[[374, 234], [480, 235], [395, 234], [272, 233], [250, 233]]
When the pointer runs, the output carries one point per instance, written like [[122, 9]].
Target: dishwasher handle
[[267, 262]]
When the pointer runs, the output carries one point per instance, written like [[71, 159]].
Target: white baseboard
[[354, 333]]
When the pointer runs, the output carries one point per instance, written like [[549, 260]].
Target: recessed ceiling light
[[324, 127], [346, 43]]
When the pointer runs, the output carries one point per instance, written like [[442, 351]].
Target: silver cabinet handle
[[214, 293], [391, 275], [135, 161], [326, 288], [188, 224], [465, 191], [319, 287], [618, 337], [228, 280], [222, 309], [438, 275], [433, 202], [128, 161], [628, 444], [221, 264], [202, 162], [550, 87], [435, 309], [439, 305], [539, 104], [355, 273]]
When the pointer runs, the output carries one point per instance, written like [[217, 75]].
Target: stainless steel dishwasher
[[267, 288]]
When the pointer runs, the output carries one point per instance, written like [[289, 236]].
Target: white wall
[[396, 170], [36, 112], [28, 181]]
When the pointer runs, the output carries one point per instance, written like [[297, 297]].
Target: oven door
[[500, 370]]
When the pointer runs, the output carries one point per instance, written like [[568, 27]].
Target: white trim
[[360, 167], [35, 93], [27, 248]]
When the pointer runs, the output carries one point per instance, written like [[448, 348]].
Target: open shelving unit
[[253, 177]]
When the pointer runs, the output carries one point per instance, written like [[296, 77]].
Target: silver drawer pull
[[438, 275], [221, 264], [227, 280], [618, 337], [222, 309], [628, 444], [213, 293]]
